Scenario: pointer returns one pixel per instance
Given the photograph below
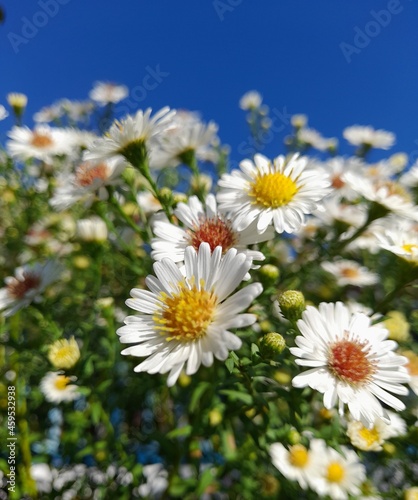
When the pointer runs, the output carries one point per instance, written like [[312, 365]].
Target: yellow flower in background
[[397, 325], [64, 353]]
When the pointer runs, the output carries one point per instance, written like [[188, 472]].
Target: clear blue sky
[[210, 52]]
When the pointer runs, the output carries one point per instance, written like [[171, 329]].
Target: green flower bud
[[292, 304], [294, 436], [269, 274], [272, 344]]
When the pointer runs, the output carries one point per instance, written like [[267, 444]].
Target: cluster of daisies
[[207, 246]]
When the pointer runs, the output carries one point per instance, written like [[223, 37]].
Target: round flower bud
[[294, 436], [282, 376], [272, 344], [269, 273], [292, 304], [397, 325]]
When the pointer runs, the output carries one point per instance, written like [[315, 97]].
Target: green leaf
[[197, 395], [205, 480], [238, 396], [180, 432], [229, 363], [95, 410]]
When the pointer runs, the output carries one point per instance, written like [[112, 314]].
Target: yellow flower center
[[410, 248], [349, 272], [186, 315], [335, 472], [61, 382], [298, 456], [370, 436], [273, 190]]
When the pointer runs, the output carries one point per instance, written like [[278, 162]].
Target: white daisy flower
[[298, 463], [340, 475], [187, 319], [76, 110], [148, 202], [401, 239], [412, 368], [156, 481], [3, 113], [49, 114], [372, 439], [107, 92], [42, 143], [385, 192], [131, 135], [56, 387], [351, 362], [89, 180], [278, 193], [203, 224], [43, 475], [349, 272], [336, 211], [367, 136], [250, 100], [410, 178], [93, 229], [312, 138], [187, 135], [337, 169], [27, 285]]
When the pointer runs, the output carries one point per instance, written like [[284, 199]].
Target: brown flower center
[[348, 361], [86, 174], [18, 289], [41, 140], [214, 231]]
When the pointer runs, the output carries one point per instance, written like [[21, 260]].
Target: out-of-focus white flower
[[148, 202], [89, 180], [314, 139], [43, 143], [400, 239], [56, 387], [250, 100], [412, 367], [156, 481], [93, 229], [297, 463], [44, 476], [106, 92], [27, 285], [130, 137], [367, 136], [372, 439], [389, 194], [348, 272], [3, 113], [340, 475], [186, 136]]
